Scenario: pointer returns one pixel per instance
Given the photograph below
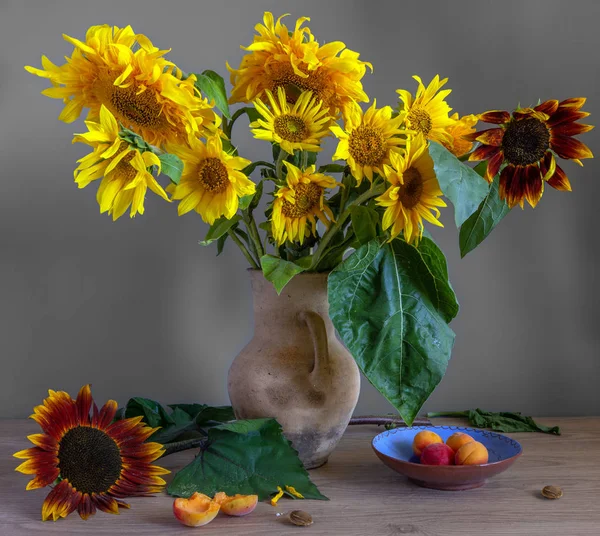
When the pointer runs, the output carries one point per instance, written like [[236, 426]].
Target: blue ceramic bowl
[[394, 448]]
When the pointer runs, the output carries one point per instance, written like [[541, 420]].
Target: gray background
[[138, 308]]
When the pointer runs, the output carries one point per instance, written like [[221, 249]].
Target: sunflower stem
[[178, 446], [278, 166], [228, 125], [255, 243], [304, 160], [244, 249], [376, 189]]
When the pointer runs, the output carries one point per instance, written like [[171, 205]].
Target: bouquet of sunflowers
[[151, 125], [360, 217]]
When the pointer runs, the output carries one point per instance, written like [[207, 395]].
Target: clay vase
[[295, 369]]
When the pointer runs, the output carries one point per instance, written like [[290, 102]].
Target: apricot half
[[457, 440], [437, 454], [473, 453], [196, 511], [424, 438], [238, 505]]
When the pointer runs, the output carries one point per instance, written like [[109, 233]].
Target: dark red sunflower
[[527, 142], [97, 461]]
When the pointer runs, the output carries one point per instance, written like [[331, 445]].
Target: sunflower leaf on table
[[239, 458]]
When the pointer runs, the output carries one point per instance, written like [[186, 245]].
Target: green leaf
[[482, 222], [332, 168], [461, 185], [390, 311], [501, 422], [440, 290], [212, 85], [204, 415], [153, 413], [219, 228], [251, 201], [183, 417], [278, 271], [221, 243], [250, 457], [364, 223], [155, 416], [171, 166]]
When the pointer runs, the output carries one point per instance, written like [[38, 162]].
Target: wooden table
[[367, 498]]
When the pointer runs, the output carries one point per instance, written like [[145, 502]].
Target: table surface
[[366, 497]]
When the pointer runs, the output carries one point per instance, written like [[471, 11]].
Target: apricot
[[238, 505], [196, 511], [457, 440], [437, 454], [473, 453], [424, 438]]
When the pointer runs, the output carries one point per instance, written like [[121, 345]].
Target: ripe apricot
[[238, 505], [457, 440], [473, 453], [437, 454], [196, 511], [424, 438]]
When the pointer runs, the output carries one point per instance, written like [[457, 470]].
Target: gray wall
[[138, 308]]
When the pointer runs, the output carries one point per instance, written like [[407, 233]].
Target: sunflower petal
[[559, 180], [495, 116], [570, 148]]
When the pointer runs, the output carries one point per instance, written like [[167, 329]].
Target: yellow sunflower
[[295, 127], [298, 203], [293, 60], [125, 169], [428, 112], [212, 181], [414, 192], [369, 139], [97, 461], [139, 88], [462, 126]]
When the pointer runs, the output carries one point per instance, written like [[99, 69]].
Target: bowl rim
[[486, 433]]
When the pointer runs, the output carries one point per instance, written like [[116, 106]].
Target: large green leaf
[[390, 305], [212, 85], [171, 166], [279, 271], [482, 222], [461, 185], [247, 457], [219, 228]]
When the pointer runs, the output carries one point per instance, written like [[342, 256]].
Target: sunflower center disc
[[419, 120], [89, 459], [141, 109], [284, 76], [525, 141], [366, 145], [307, 196], [124, 168], [213, 175], [290, 128], [410, 192]]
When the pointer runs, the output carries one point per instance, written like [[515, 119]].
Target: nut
[[300, 518], [552, 492]]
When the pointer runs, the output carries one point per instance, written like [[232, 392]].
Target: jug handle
[[318, 334]]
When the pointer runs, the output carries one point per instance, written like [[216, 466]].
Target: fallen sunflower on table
[[93, 461]]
